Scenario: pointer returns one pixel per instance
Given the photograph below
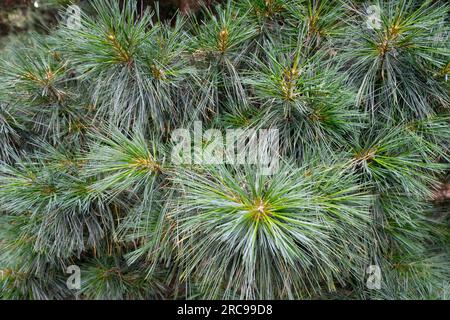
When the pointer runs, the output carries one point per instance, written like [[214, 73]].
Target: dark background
[[20, 15]]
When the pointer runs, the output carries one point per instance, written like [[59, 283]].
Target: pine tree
[[357, 91]]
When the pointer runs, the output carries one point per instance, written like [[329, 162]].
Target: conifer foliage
[[358, 92]]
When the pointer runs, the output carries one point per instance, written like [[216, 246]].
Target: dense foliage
[[362, 110]]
